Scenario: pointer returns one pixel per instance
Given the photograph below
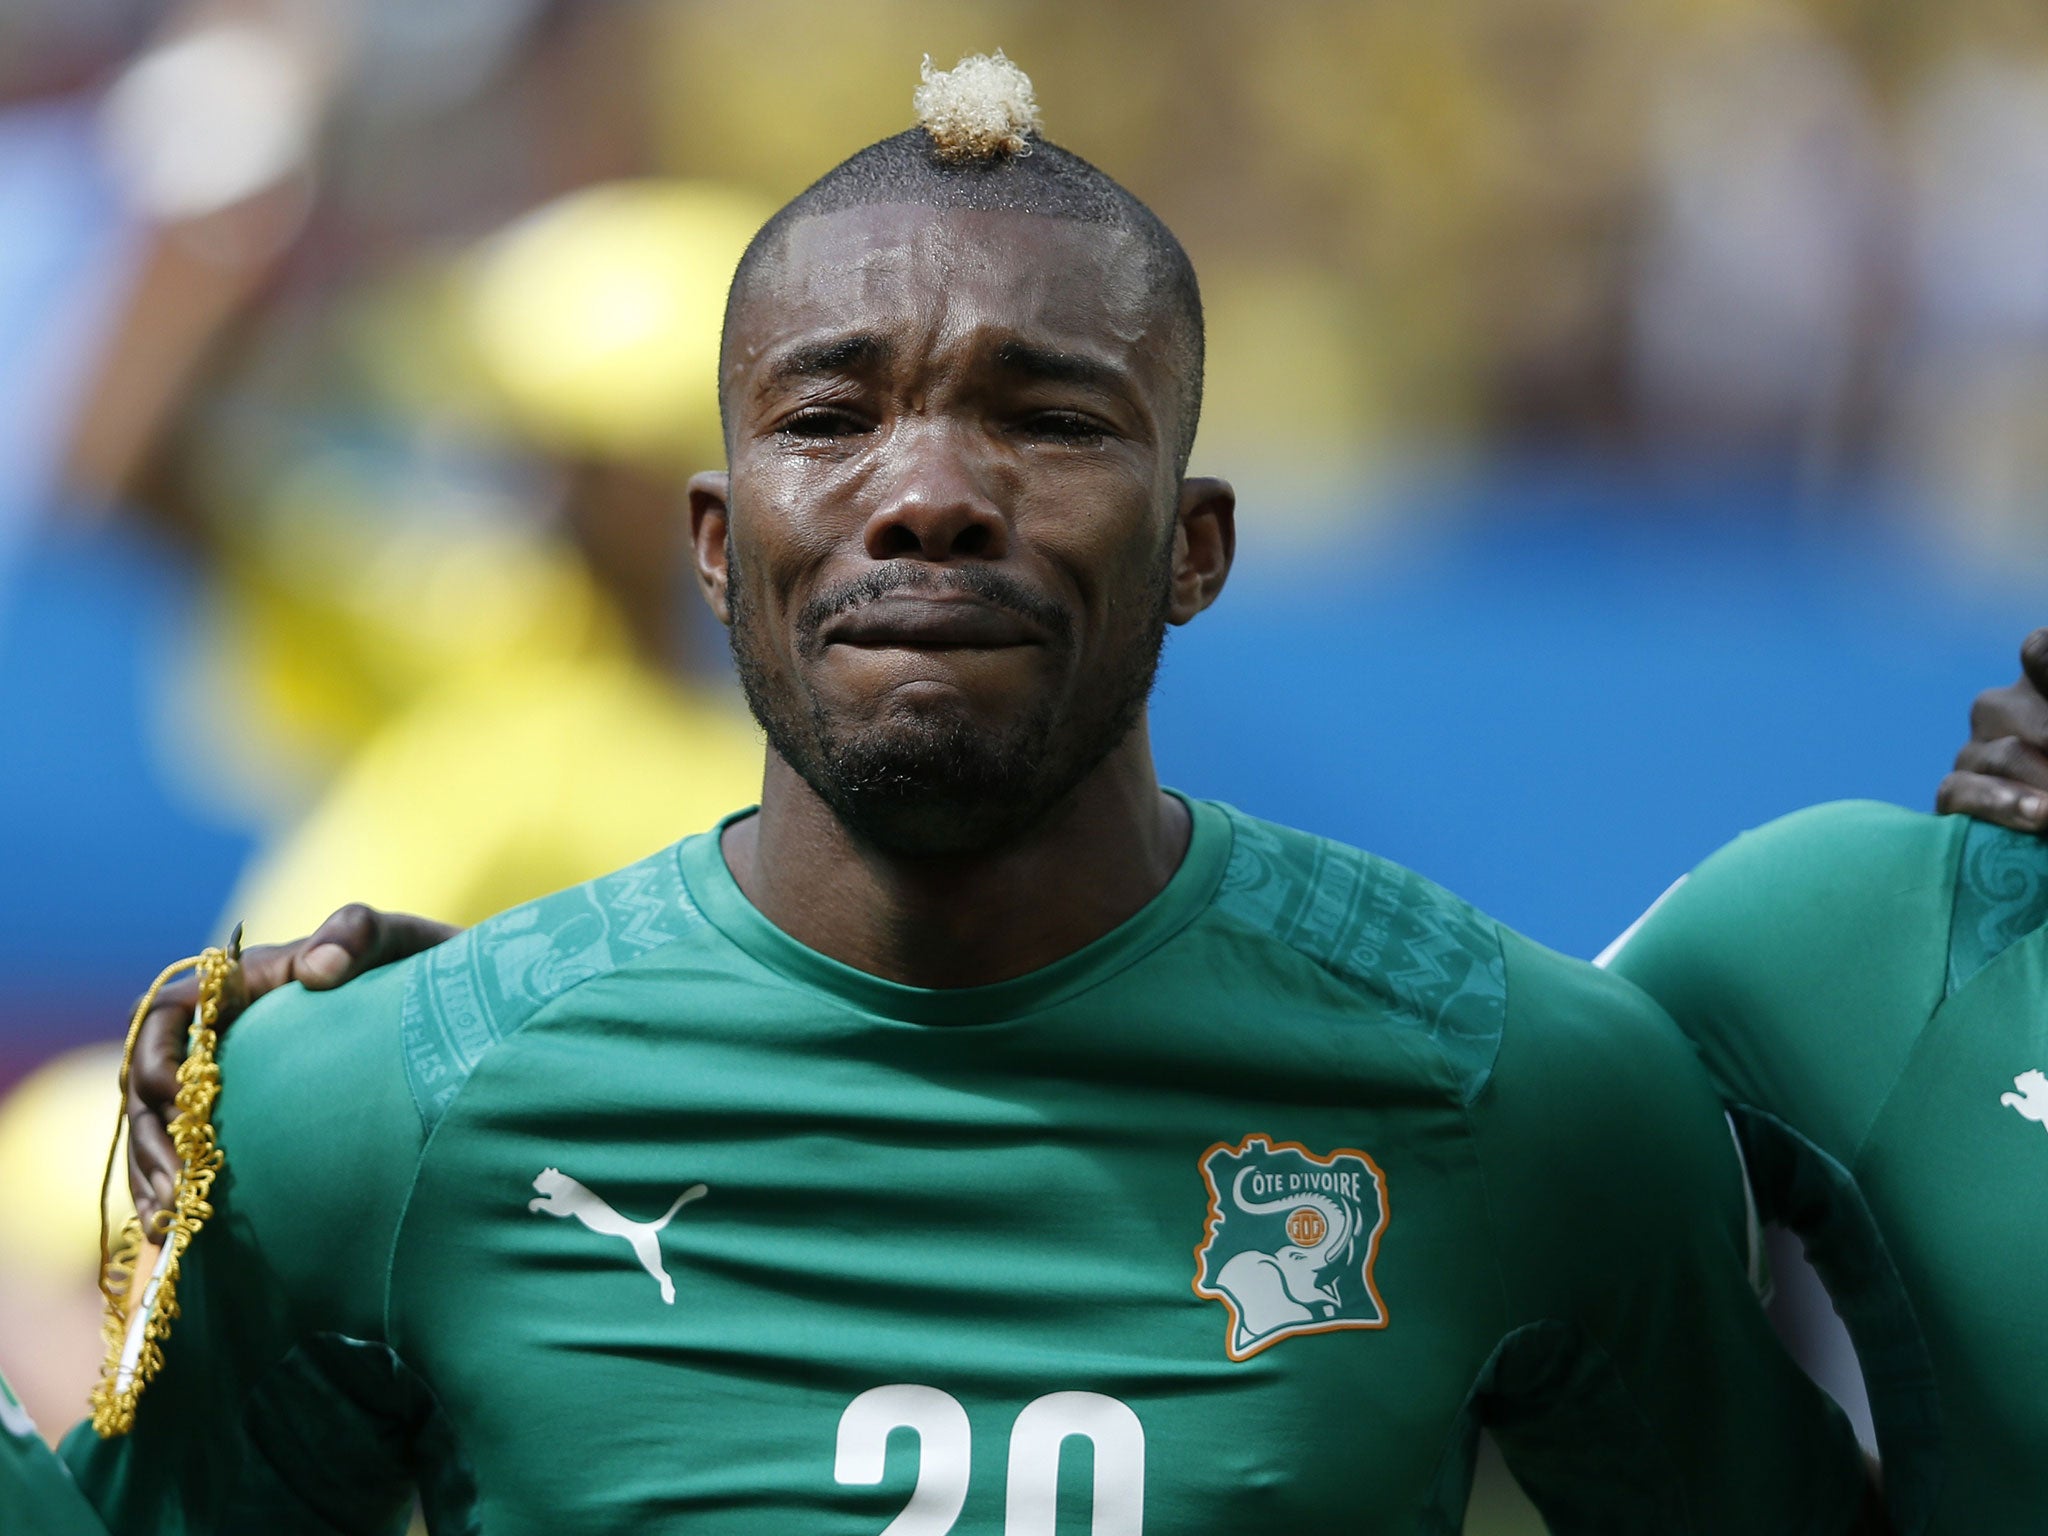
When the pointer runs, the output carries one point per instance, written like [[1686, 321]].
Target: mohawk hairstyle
[[977, 146]]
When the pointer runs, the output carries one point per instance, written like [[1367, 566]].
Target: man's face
[[952, 523]]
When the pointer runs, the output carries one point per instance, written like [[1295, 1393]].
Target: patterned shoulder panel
[[1436, 959], [482, 985], [2001, 897]]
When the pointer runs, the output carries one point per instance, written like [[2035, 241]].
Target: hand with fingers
[[2001, 774], [353, 940]]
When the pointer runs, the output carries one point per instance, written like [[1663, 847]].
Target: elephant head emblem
[[1291, 1242]]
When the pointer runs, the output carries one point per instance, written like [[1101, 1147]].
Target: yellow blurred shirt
[[505, 787]]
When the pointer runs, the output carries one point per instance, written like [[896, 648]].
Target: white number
[[945, 1449], [1044, 1426]]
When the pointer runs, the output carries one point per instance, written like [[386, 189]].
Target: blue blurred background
[[1637, 410], [1560, 690]]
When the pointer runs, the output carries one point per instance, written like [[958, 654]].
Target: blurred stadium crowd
[[1654, 384]]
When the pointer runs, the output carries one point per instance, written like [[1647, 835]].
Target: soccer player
[[1869, 988], [975, 1136]]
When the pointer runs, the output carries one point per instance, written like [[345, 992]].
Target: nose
[[936, 505]]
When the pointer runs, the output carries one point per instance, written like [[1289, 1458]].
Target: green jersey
[[626, 1213], [1870, 988], [36, 1493]]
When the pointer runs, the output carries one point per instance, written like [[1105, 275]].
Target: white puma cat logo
[[2032, 1098], [561, 1195]]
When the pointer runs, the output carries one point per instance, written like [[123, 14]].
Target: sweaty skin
[[1023, 422]]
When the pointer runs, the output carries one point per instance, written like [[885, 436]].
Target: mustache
[[995, 587]]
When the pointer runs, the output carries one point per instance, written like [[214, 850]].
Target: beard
[[938, 783]]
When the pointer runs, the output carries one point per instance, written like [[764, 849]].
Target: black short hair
[[1046, 180]]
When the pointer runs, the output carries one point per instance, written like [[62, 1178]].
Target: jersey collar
[[1191, 889]]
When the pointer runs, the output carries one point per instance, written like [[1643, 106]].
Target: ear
[[710, 527], [1204, 544]]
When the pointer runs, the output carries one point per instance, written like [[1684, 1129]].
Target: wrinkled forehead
[[933, 275]]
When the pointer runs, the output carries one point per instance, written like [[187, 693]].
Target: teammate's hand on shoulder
[[353, 940], [2002, 774]]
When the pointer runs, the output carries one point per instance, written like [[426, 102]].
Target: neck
[[963, 921]]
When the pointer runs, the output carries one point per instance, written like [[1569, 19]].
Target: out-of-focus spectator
[[1973, 380], [596, 323], [53, 1146], [1763, 245]]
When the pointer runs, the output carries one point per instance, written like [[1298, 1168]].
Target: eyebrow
[[1057, 367], [844, 354]]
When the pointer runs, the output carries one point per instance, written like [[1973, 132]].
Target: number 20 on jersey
[[945, 1451]]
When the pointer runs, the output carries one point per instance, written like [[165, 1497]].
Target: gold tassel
[[135, 1327]]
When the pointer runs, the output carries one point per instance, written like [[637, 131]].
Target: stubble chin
[[934, 779], [926, 781]]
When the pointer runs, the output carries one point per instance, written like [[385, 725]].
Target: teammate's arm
[[1638, 1385], [282, 1406], [352, 940], [1803, 960]]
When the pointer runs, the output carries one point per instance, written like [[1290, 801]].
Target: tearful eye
[[1065, 427], [821, 423]]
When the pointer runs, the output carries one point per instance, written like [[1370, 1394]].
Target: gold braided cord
[[134, 1328]]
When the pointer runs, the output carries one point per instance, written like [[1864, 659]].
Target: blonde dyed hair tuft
[[979, 109]]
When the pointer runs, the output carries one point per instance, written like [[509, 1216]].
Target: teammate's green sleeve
[[37, 1496], [282, 1300], [1805, 960], [1645, 1391]]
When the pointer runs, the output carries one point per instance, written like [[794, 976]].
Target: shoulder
[[328, 1098], [1845, 851], [490, 981], [1852, 858], [295, 1051], [1390, 933], [1835, 887], [1805, 957], [1860, 868], [1599, 1125], [1587, 1053], [1377, 927], [321, 1143]]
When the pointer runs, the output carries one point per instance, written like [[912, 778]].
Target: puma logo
[[561, 1195], [2032, 1098]]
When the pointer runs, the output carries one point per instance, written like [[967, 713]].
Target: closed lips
[[931, 623]]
